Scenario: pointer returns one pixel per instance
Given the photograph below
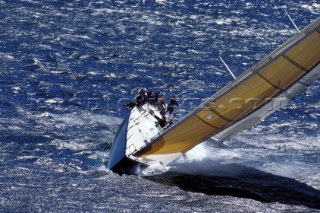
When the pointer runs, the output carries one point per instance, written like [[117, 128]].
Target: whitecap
[[46, 114], [226, 21], [72, 145], [316, 5], [314, 8], [54, 101], [7, 57], [16, 89], [163, 2]]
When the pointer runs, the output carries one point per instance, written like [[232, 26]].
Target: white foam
[[82, 119], [205, 152], [162, 2], [6, 56], [152, 170], [316, 5], [72, 145], [102, 168], [291, 168], [276, 154], [54, 101], [225, 21], [314, 8]]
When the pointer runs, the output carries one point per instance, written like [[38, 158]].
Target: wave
[[240, 181], [247, 169]]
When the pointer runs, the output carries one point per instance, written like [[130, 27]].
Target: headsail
[[281, 73]]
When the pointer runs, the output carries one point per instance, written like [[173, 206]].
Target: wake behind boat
[[252, 96]]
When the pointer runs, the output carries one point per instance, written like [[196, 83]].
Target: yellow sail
[[273, 75]]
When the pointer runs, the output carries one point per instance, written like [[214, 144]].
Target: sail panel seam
[[294, 63], [264, 78], [207, 122], [218, 114]]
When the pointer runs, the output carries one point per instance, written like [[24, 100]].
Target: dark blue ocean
[[67, 68]]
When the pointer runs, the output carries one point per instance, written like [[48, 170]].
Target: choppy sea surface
[[67, 67]]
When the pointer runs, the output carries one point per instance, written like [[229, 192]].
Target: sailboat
[[252, 96]]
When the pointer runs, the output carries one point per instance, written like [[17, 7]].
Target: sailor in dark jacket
[[173, 102]]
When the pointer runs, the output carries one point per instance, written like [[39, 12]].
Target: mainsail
[[243, 102]]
